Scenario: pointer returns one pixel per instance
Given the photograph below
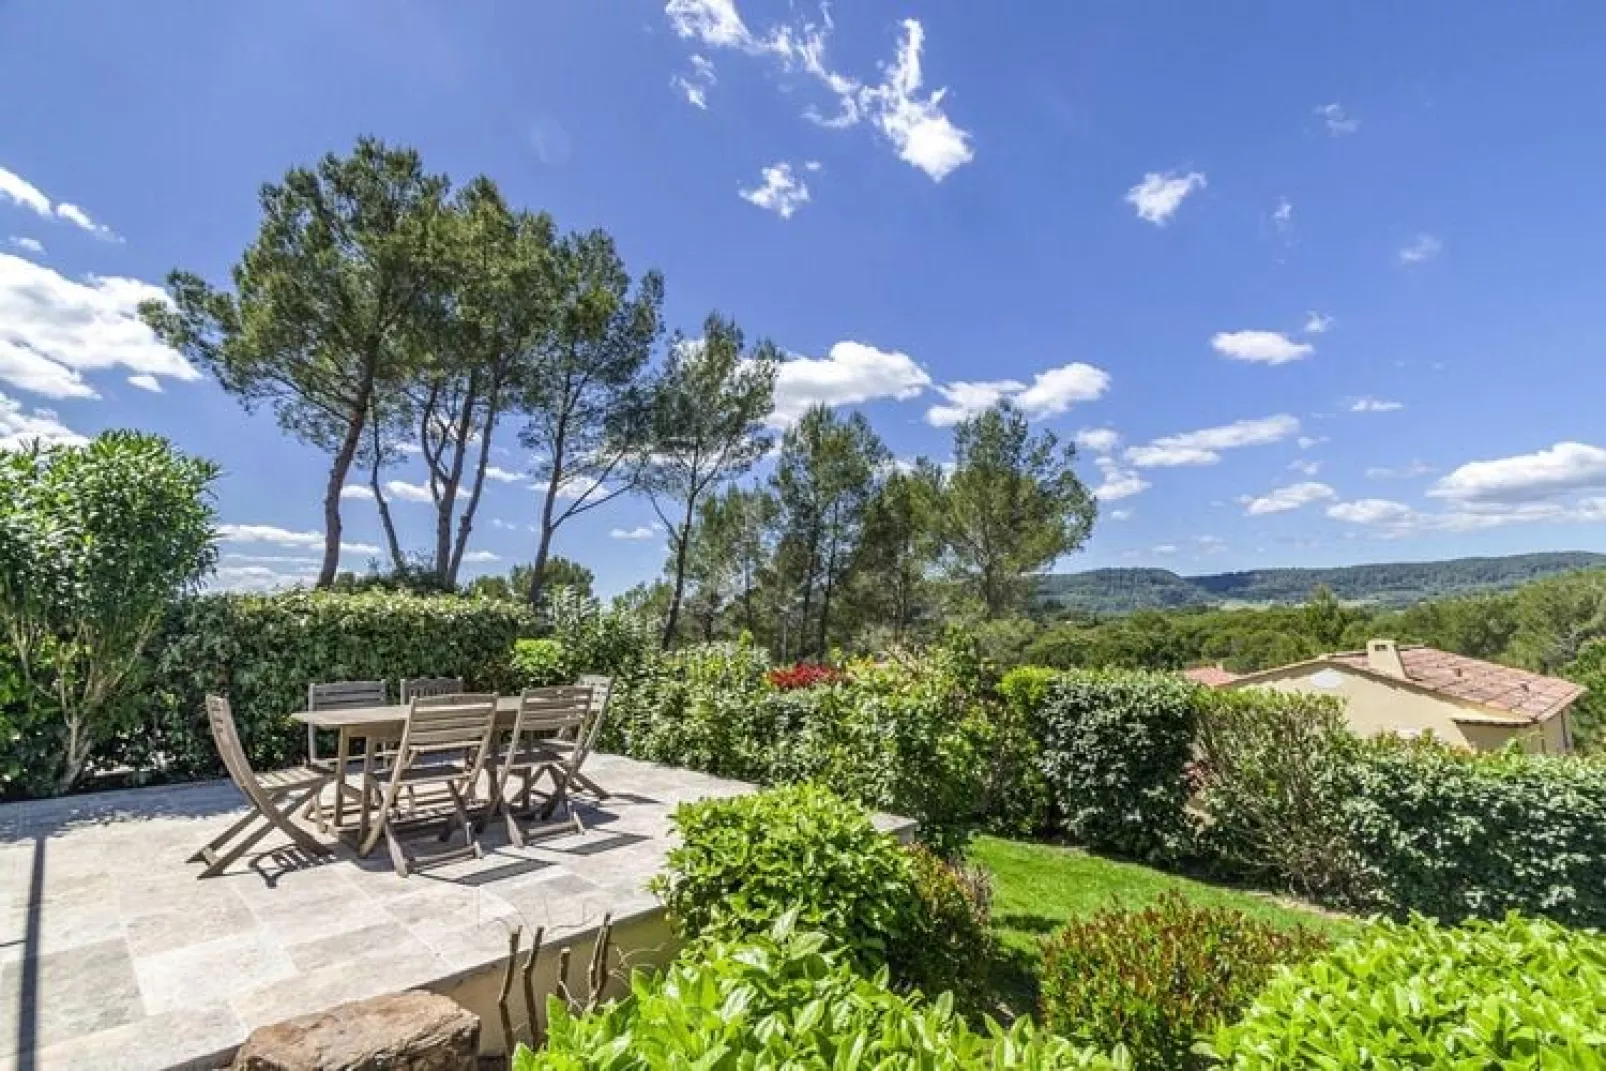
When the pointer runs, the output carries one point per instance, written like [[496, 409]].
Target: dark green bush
[[949, 942], [539, 664], [1269, 788], [263, 650], [1115, 748], [785, 1000], [1520, 993], [1154, 980], [1455, 834]]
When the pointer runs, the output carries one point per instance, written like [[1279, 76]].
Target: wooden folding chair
[[568, 774], [445, 743], [342, 695], [424, 687], [267, 795], [545, 715]]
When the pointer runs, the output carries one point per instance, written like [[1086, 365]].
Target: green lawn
[[1037, 887]]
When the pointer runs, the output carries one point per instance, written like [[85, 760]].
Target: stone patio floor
[[114, 955]]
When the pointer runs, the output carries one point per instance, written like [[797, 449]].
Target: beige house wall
[[1374, 706]]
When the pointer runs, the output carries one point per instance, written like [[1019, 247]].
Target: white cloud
[[1209, 544], [782, 192], [1337, 121], [574, 488], [510, 526], [1370, 511], [1120, 514], [273, 559], [695, 86], [1375, 405], [1317, 323], [1292, 497], [53, 329], [1098, 440], [18, 428], [1260, 347], [19, 191], [258, 578], [283, 537], [1118, 482], [1307, 441], [1556, 470], [1164, 549], [1204, 447], [644, 531], [1282, 217], [813, 165], [1158, 196], [357, 490], [1396, 519], [409, 492], [1401, 472], [146, 381], [481, 556], [501, 475], [32, 245], [851, 373], [1421, 248], [1305, 468], [913, 122], [1056, 390], [79, 218], [966, 399]]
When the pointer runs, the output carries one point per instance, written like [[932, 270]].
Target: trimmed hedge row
[[263, 650]]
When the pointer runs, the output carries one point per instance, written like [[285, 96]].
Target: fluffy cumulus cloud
[[851, 373], [501, 475], [1408, 471], [1317, 323], [54, 329], [1205, 446], [260, 578], [28, 245], [1423, 247], [1392, 520], [1337, 121], [481, 557], [1119, 482], [357, 490], [638, 533], [1370, 511], [19, 191], [408, 492], [1049, 394], [1159, 195], [1558, 470], [1284, 499], [781, 191], [283, 537], [146, 381], [19, 427], [1260, 347], [1098, 440], [1375, 405], [908, 117]]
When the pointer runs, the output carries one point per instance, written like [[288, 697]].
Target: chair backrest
[[558, 710], [601, 693], [424, 687], [452, 723], [226, 735], [342, 695]]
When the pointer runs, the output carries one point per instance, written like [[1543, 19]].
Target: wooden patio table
[[369, 724]]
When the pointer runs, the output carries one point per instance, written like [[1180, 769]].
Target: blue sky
[[1324, 284]]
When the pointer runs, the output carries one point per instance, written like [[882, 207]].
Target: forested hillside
[[1392, 584]]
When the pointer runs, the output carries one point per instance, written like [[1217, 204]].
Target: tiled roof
[[1209, 676], [1528, 695]]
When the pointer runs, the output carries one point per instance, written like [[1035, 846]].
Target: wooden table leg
[[342, 752], [362, 803]]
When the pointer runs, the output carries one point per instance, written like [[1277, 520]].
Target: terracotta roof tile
[[1209, 676], [1529, 695]]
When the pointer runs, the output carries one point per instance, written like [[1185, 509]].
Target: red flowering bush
[[803, 675]]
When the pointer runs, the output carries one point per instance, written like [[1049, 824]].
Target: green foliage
[[1454, 834], [95, 542], [1589, 712], [907, 736], [745, 862], [263, 650], [1269, 790], [1114, 750], [785, 1000], [950, 939], [1155, 979], [1519, 993], [613, 643], [539, 664]]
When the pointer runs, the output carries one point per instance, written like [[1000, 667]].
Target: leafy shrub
[[784, 1000], [1016, 800], [744, 862], [263, 650], [801, 675], [1454, 834], [1114, 749], [539, 664], [614, 643], [1516, 993], [1153, 980], [949, 943], [1269, 788]]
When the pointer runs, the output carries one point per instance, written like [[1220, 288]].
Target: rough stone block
[[412, 1031]]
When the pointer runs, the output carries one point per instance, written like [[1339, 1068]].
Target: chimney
[[1382, 656]]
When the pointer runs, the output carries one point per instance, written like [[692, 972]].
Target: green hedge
[[1520, 993], [1455, 834], [263, 650], [1115, 749]]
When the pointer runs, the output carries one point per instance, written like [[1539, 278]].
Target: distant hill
[[1119, 591]]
